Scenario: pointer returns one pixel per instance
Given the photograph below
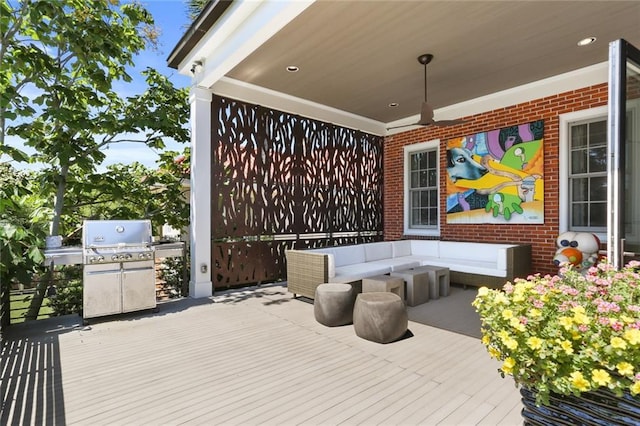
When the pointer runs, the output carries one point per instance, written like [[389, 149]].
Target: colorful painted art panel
[[497, 176]]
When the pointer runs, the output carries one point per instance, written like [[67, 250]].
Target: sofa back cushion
[[483, 252], [377, 251], [401, 248], [348, 255], [425, 248]]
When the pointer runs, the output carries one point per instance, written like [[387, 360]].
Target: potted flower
[[569, 337]]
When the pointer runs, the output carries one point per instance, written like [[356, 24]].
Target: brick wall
[[541, 236]]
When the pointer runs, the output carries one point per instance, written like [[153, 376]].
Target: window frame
[[433, 145], [564, 162]]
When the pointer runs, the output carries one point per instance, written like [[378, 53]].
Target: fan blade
[[404, 125], [444, 123], [426, 119]]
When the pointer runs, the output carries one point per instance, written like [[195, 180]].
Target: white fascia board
[[243, 28], [268, 98]]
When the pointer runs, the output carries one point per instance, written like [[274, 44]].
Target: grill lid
[[116, 233]]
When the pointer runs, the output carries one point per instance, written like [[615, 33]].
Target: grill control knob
[[114, 257], [128, 256], [100, 258], [141, 256]]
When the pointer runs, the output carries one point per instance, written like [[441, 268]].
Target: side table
[[438, 280], [384, 283], [417, 285]]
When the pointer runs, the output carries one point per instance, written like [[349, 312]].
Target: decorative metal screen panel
[[281, 181]]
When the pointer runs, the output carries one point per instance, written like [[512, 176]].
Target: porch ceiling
[[359, 56]]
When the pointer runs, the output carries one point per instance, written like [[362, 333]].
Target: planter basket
[[599, 407]]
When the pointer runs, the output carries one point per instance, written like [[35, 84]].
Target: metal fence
[[58, 291], [281, 181]]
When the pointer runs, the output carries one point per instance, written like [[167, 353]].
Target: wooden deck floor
[[245, 357]]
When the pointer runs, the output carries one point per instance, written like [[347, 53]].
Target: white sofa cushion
[[401, 248], [377, 251], [397, 263], [422, 260], [502, 258], [348, 255], [469, 266], [469, 251], [425, 248], [358, 271]]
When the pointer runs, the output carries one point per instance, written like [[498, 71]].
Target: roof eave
[[210, 14]]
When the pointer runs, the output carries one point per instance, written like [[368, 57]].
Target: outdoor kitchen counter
[[71, 255], [169, 249]]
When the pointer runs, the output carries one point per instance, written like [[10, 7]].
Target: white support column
[[200, 284]]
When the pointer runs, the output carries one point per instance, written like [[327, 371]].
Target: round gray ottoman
[[380, 317], [333, 304]]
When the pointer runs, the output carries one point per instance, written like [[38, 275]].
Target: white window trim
[[565, 121], [408, 150]]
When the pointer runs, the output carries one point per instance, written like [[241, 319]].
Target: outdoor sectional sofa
[[470, 263]]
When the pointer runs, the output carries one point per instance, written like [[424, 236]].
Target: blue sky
[[171, 19]]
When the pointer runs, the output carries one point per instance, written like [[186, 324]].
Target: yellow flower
[[567, 347], [578, 309], [618, 343], [581, 318], [625, 369], [579, 382], [486, 339], [518, 295], [494, 353], [627, 319], [535, 313], [632, 336], [515, 323], [511, 343], [507, 314], [566, 322], [635, 388], [535, 343], [501, 299], [483, 291], [601, 377], [508, 365]]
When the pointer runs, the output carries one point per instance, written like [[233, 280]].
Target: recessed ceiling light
[[292, 68], [393, 104], [586, 41]]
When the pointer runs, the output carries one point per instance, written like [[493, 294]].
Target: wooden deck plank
[[247, 357]]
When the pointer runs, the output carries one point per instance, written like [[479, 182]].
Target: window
[[588, 176], [583, 172], [421, 189]]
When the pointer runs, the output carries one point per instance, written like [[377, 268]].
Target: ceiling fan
[[426, 112]]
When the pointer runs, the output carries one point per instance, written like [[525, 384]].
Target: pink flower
[[617, 326]]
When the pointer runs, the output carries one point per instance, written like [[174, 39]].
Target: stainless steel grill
[[106, 241], [119, 267]]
